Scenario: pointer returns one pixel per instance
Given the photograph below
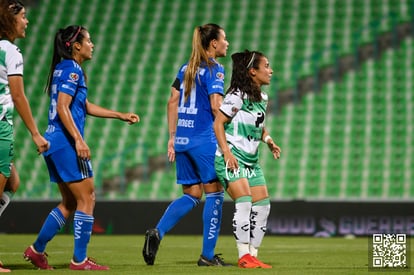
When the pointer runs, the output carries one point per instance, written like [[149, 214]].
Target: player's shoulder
[[217, 65], [9, 47], [183, 67], [69, 64]]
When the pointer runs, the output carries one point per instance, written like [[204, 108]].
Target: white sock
[[253, 250], [243, 249], [4, 202], [241, 226], [258, 223]]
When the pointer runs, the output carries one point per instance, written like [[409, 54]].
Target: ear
[[252, 71], [213, 43], [77, 46]]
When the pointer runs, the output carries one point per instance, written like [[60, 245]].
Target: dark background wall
[[287, 218]]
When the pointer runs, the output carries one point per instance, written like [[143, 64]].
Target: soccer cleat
[[216, 261], [247, 261], [262, 264], [88, 264], [2, 269], [152, 242], [37, 259]]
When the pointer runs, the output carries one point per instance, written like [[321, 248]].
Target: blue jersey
[[68, 78], [195, 117]]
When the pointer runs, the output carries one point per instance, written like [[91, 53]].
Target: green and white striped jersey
[[244, 132], [11, 63]]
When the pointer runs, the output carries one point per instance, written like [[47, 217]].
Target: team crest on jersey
[[220, 75], [74, 76], [234, 110]]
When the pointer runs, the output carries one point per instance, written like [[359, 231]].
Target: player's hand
[[82, 149], [171, 151], [231, 161], [41, 143], [274, 149], [131, 118]]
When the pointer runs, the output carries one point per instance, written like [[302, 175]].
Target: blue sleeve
[[215, 80], [69, 81]]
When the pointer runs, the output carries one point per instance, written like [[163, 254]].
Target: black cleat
[[216, 261], [152, 242]]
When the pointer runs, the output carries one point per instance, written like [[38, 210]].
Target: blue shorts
[[196, 165], [65, 166]]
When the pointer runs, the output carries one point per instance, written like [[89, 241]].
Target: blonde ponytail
[[202, 36]]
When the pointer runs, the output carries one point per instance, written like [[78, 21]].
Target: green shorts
[[253, 174], [6, 148]]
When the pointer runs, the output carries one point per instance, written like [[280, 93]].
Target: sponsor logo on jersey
[[187, 123], [182, 140], [19, 64], [57, 73], [220, 75], [74, 77]]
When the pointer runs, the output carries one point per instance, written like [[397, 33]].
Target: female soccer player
[[13, 24], [68, 159], [195, 98], [239, 128]]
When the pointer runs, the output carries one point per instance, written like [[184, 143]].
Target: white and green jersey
[[244, 131], [11, 63]]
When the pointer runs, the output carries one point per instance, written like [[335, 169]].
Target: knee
[[13, 186], [195, 194], [86, 202]]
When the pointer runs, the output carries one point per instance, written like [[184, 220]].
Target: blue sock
[[174, 212], [53, 223], [211, 222], [82, 225]]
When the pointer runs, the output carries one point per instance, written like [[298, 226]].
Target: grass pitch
[[179, 255]]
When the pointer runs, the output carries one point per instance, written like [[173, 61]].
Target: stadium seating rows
[[351, 140]]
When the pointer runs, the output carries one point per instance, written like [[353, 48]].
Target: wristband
[[267, 138]]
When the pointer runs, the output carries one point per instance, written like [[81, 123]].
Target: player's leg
[[241, 221], [6, 167], [203, 158], [84, 194], [192, 193], [55, 220], [12, 184], [4, 198], [237, 186], [260, 211], [177, 209], [3, 205], [212, 217]]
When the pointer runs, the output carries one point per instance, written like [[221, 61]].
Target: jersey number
[[192, 108], [53, 104]]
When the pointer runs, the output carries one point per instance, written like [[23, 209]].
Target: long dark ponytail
[[63, 47]]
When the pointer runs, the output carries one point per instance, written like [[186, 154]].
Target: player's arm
[[23, 108], [172, 117], [266, 138], [65, 115], [219, 122], [98, 111], [215, 102]]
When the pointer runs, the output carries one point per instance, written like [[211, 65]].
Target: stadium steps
[[351, 140], [136, 57]]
